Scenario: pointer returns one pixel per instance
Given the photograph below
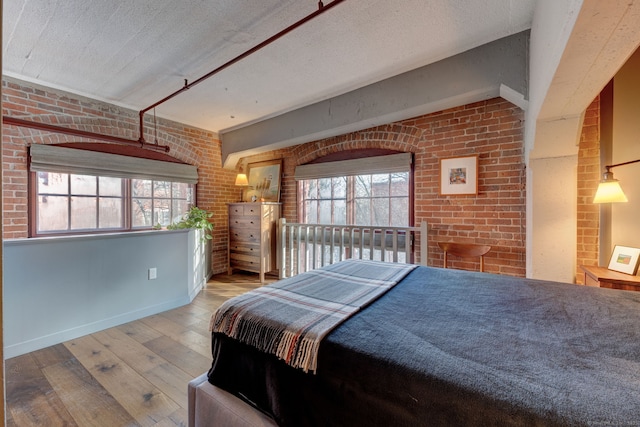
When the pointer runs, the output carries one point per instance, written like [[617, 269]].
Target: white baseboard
[[79, 331]]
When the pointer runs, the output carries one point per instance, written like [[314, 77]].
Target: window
[[372, 199], [159, 202], [361, 192], [364, 191], [80, 191], [324, 201], [69, 203]]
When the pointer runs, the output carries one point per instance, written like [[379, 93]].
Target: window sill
[[85, 237]]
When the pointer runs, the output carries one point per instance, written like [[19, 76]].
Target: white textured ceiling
[[133, 53]]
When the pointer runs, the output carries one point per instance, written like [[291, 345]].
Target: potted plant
[[195, 218]]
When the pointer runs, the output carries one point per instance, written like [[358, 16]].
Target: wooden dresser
[[252, 237], [605, 278]]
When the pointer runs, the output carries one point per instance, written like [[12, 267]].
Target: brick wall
[[190, 145], [589, 174], [491, 129]]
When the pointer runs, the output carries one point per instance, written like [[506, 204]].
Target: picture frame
[[459, 175], [264, 181], [625, 260]]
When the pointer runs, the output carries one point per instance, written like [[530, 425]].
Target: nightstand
[[605, 278]]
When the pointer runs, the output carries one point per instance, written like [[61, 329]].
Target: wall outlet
[[153, 273]]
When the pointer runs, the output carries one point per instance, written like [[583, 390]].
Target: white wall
[[57, 289]]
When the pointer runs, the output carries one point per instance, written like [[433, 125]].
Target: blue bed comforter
[[456, 348]]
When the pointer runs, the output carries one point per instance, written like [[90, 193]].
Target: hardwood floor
[[135, 374]]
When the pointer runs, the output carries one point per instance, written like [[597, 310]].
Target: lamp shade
[[241, 180], [609, 192]]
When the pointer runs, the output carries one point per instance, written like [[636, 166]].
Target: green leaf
[[195, 218]]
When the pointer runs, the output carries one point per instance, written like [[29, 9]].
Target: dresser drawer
[[244, 248], [245, 209], [238, 234], [244, 262], [252, 222], [236, 210], [251, 210]]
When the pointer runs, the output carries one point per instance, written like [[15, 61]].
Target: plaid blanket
[[289, 318]]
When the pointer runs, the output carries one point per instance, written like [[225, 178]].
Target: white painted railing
[[304, 247]]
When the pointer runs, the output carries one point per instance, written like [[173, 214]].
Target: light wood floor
[[130, 375]]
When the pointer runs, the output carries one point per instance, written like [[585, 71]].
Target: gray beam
[[495, 69]]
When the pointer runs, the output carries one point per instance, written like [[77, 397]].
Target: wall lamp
[[609, 190]]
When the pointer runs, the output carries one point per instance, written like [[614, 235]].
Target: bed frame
[[475, 348], [212, 406]]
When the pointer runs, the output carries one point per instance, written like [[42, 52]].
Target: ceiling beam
[[488, 71]]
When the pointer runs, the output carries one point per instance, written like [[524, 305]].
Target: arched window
[[374, 190]]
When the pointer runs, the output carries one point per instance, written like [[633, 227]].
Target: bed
[[446, 347]]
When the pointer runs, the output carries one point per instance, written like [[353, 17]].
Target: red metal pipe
[[80, 133], [321, 9]]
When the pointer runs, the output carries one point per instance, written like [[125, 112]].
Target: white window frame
[[351, 170], [56, 159]]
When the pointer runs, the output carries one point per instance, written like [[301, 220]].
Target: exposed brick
[[456, 132], [588, 177], [191, 145], [493, 129]]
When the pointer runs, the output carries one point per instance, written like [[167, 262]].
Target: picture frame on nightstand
[[625, 259]]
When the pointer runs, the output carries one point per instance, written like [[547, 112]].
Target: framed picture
[[624, 259], [264, 181], [459, 175]]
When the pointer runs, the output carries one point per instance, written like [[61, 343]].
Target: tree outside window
[[374, 199], [73, 203]]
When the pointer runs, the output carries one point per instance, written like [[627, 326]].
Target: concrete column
[[551, 212]]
